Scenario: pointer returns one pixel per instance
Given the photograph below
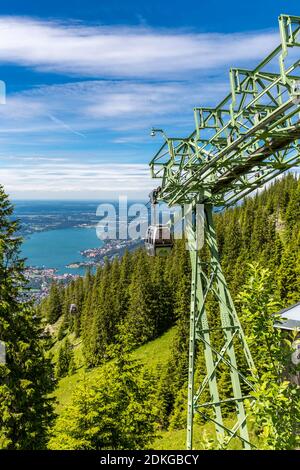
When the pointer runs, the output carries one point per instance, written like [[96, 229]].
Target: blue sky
[[86, 81]]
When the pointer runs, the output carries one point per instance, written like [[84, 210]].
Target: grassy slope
[[152, 354]]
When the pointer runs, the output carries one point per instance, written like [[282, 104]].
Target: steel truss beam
[[210, 280], [251, 137], [248, 139]]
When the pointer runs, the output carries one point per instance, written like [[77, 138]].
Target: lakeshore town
[[41, 278], [42, 216]]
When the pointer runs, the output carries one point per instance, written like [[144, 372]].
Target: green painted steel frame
[[200, 330], [251, 137], [248, 139]]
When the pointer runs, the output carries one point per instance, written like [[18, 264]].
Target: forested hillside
[[123, 335], [133, 300], [145, 294]]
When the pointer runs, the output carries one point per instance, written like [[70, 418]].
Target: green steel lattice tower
[[250, 138]]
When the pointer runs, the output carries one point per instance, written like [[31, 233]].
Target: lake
[[58, 248]]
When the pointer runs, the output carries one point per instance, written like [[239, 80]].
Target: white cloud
[[149, 77], [124, 51], [75, 108], [101, 179]]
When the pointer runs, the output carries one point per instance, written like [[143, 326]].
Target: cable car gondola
[[159, 239]]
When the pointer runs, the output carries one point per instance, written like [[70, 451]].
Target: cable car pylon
[[246, 141]]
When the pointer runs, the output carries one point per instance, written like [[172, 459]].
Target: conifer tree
[[65, 361], [113, 410], [26, 379], [288, 276], [54, 307], [142, 313], [124, 282], [63, 328], [98, 340]]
